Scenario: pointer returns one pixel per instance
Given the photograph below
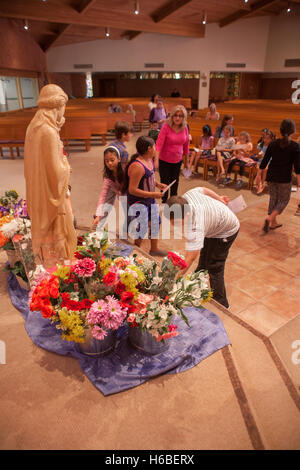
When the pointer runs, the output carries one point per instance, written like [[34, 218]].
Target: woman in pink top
[[172, 145]]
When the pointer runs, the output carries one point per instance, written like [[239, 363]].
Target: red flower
[[86, 304], [176, 260], [54, 292], [78, 255], [46, 311], [127, 297], [109, 278], [80, 241], [73, 305], [120, 288]]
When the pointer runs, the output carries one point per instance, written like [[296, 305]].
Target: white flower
[[10, 229]]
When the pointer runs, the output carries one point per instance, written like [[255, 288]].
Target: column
[[203, 94]]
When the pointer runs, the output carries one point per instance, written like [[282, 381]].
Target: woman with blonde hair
[[172, 146], [212, 114]]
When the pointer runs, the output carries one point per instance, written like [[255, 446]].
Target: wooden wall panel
[[250, 86], [277, 88]]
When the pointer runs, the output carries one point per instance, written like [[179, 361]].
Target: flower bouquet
[[14, 228], [97, 293]]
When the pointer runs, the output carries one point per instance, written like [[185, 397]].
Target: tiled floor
[[262, 273]]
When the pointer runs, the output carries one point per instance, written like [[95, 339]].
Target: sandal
[[266, 226], [276, 226]]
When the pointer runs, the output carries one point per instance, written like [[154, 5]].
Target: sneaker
[[227, 180], [239, 184]]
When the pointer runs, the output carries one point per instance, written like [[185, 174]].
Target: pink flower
[[84, 267], [108, 313], [131, 318], [142, 301], [172, 327], [99, 333], [167, 335]]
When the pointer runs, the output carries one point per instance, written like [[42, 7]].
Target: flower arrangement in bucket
[[100, 291], [14, 227]]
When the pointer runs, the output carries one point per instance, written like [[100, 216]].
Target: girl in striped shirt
[[112, 183]]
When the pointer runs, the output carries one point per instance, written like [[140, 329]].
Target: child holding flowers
[[140, 187], [113, 180]]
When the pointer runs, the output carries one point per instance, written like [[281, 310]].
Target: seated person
[[130, 110], [224, 149], [114, 108], [262, 147], [153, 133], [212, 114], [158, 114], [226, 121], [206, 146], [241, 156]]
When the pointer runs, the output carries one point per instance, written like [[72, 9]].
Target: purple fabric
[[127, 367]]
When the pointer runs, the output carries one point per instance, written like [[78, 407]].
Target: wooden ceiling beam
[[239, 14], [81, 8], [131, 34], [167, 9], [35, 10]]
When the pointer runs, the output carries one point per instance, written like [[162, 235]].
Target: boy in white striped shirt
[[210, 227]]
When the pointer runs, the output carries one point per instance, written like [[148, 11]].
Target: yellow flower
[[72, 324], [209, 297], [63, 272], [104, 265], [140, 274]]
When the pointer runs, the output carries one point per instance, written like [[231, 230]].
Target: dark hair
[[287, 127], [179, 202], [122, 127], [152, 97], [107, 173], [206, 130], [225, 119], [142, 145]]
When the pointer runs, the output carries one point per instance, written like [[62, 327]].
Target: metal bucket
[[97, 347], [146, 342], [12, 257]]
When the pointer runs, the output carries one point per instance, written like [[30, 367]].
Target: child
[[224, 149], [130, 110], [124, 133], [206, 146], [262, 146], [140, 187], [153, 133], [113, 180], [241, 156]]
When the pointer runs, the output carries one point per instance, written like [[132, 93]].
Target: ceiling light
[[288, 10], [136, 8], [246, 1], [107, 32], [26, 26], [204, 17]]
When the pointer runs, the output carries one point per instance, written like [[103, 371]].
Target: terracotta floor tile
[[253, 287], [269, 254], [273, 276], [290, 265], [237, 299], [234, 272], [262, 318], [292, 288], [251, 262], [235, 252], [282, 304]]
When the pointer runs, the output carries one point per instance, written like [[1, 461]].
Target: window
[[29, 92], [217, 75], [167, 75], [189, 75], [89, 85], [18, 93], [9, 99]]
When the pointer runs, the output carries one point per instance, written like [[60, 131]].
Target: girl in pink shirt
[[172, 145], [112, 184]]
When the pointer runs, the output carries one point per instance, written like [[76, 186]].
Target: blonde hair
[[246, 135], [173, 111]]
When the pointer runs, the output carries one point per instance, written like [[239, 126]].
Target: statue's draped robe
[[47, 173]]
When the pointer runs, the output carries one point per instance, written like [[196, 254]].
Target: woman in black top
[[283, 155]]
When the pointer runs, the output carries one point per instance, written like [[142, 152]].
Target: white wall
[[244, 41], [283, 43]]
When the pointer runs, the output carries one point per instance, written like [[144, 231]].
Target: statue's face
[[61, 112]]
